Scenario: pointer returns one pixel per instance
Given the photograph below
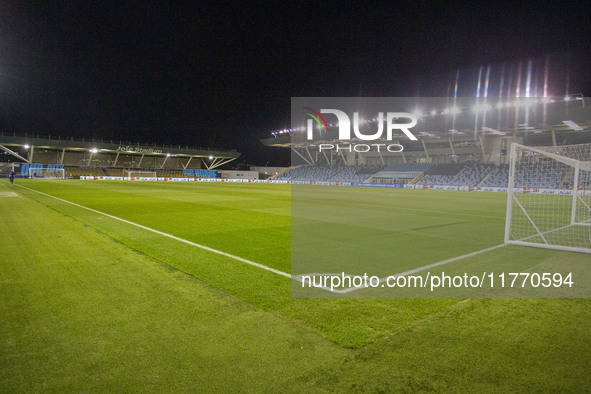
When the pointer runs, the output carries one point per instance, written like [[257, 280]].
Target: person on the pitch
[[11, 177]]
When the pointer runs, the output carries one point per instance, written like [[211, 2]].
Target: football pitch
[[184, 287]]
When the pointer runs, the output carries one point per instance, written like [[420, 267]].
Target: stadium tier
[[450, 174], [323, 174], [78, 171], [542, 178], [354, 174], [111, 158], [454, 174], [409, 167], [499, 177], [199, 173]]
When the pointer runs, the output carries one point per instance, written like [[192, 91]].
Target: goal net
[[47, 173], [139, 174], [549, 197]]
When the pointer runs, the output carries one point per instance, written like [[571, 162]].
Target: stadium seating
[[199, 173], [114, 171], [355, 174], [541, 177], [498, 178], [77, 171], [456, 174], [325, 174], [85, 171], [170, 174], [409, 167]]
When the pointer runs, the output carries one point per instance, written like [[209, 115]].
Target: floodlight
[[482, 107], [418, 113]]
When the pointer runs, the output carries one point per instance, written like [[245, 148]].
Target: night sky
[[222, 74]]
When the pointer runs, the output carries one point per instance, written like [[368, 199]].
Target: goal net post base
[[549, 197]]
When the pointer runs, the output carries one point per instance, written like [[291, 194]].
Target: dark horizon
[[222, 76]]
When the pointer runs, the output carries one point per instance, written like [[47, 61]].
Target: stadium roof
[[567, 115], [217, 157]]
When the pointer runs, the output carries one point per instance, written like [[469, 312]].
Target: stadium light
[[210, 157], [418, 113], [482, 107], [26, 146]]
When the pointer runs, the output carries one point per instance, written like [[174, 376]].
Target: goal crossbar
[[139, 174]]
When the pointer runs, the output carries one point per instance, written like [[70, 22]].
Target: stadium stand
[[325, 174], [170, 174], [499, 177], [199, 173], [456, 174], [584, 181], [86, 171], [77, 171], [114, 171], [541, 176], [409, 167], [368, 170], [401, 173]]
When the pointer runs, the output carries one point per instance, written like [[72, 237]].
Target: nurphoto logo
[[395, 121]]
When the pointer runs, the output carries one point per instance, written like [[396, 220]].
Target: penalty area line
[[207, 248]]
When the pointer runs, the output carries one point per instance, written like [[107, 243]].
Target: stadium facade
[[111, 158], [464, 145]]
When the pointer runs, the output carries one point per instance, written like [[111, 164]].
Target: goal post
[[47, 173], [139, 174], [549, 197]]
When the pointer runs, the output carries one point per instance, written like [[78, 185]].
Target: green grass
[[91, 304]]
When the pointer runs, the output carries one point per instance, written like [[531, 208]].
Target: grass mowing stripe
[[79, 314], [237, 258], [252, 263]]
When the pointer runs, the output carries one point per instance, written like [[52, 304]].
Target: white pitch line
[[426, 267], [266, 268]]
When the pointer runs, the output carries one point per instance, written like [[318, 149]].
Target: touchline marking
[[275, 271]]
